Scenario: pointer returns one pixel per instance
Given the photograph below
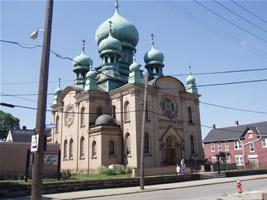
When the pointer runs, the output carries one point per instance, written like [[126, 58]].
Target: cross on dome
[[59, 81], [190, 72], [83, 45], [110, 26], [117, 5], [152, 39]]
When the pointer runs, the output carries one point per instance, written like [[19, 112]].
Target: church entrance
[[170, 156], [171, 151]]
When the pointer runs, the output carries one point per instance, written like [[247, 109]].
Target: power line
[[241, 17], [240, 6], [229, 21]]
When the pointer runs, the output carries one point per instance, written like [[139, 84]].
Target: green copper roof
[[190, 79], [122, 29], [134, 66], [91, 74], [154, 56], [57, 90], [82, 60], [109, 44]]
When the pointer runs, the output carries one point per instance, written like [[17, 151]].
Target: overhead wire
[[230, 22]]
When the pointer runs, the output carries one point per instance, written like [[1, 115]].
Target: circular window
[[168, 107]]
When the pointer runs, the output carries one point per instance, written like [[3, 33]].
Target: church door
[[170, 156]]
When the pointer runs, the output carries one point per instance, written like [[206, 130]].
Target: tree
[[7, 122]]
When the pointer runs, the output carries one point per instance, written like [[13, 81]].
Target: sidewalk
[[129, 190]]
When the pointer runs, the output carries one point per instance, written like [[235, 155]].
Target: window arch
[[147, 144], [127, 144], [71, 149], [65, 146], [99, 111], [82, 116], [192, 144], [112, 59], [111, 148], [190, 117], [57, 124], [114, 112], [126, 111], [82, 147], [94, 149]]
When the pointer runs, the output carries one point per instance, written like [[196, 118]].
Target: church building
[[98, 118]]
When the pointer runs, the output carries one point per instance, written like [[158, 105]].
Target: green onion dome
[[57, 90], [82, 62], [154, 56], [91, 74], [110, 44], [190, 79], [122, 30], [134, 66]]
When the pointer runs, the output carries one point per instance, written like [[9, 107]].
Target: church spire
[[191, 85], [152, 40], [83, 46], [117, 5]]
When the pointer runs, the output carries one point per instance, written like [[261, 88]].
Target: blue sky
[[184, 31]]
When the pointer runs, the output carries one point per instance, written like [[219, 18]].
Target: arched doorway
[[172, 151]]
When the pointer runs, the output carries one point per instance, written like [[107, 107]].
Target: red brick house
[[242, 144]]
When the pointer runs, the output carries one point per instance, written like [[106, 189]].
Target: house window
[[111, 148], [126, 111], [147, 144], [65, 150], [226, 146], [237, 144], [190, 117], [94, 149], [251, 147], [250, 135], [264, 142], [219, 146], [57, 124], [239, 160], [212, 147], [82, 117], [228, 158], [82, 148], [192, 144], [71, 149], [128, 144]]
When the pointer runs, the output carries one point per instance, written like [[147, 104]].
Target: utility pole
[[143, 136], [37, 171]]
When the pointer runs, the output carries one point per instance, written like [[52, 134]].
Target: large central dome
[[122, 30]]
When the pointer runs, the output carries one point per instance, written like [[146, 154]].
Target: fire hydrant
[[239, 186]]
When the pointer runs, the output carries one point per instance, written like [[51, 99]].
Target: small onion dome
[[154, 56], [122, 29], [57, 90], [91, 74], [82, 60], [110, 44], [104, 119], [190, 79], [134, 66]]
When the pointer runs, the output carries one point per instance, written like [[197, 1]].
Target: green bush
[[65, 174], [106, 171]]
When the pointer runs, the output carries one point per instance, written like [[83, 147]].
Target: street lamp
[[37, 170], [34, 34]]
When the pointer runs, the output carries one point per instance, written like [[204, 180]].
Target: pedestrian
[[178, 170], [182, 170]]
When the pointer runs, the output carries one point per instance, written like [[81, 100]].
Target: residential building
[[245, 145]]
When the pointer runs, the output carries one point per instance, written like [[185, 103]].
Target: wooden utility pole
[[37, 171], [142, 187]]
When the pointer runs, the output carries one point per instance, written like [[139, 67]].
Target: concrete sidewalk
[[129, 190]]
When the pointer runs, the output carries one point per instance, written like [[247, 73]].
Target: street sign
[[34, 143]]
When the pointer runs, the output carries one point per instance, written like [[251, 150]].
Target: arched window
[[106, 59], [94, 149], [146, 144], [98, 111], [190, 117], [111, 148], [71, 149], [192, 144], [112, 59], [114, 112], [82, 148], [170, 142], [57, 124], [65, 150], [126, 111], [82, 117], [127, 144]]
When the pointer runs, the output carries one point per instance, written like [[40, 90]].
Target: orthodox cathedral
[[98, 118]]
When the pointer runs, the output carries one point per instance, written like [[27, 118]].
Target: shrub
[[65, 174]]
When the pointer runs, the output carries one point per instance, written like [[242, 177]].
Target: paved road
[[206, 192]]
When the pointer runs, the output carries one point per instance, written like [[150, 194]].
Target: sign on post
[[34, 143]]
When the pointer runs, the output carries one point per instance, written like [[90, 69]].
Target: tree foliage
[[7, 122]]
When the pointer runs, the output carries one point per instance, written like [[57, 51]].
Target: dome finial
[[59, 81], [83, 45], [117, 5], [190, 72], [152, 39]]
